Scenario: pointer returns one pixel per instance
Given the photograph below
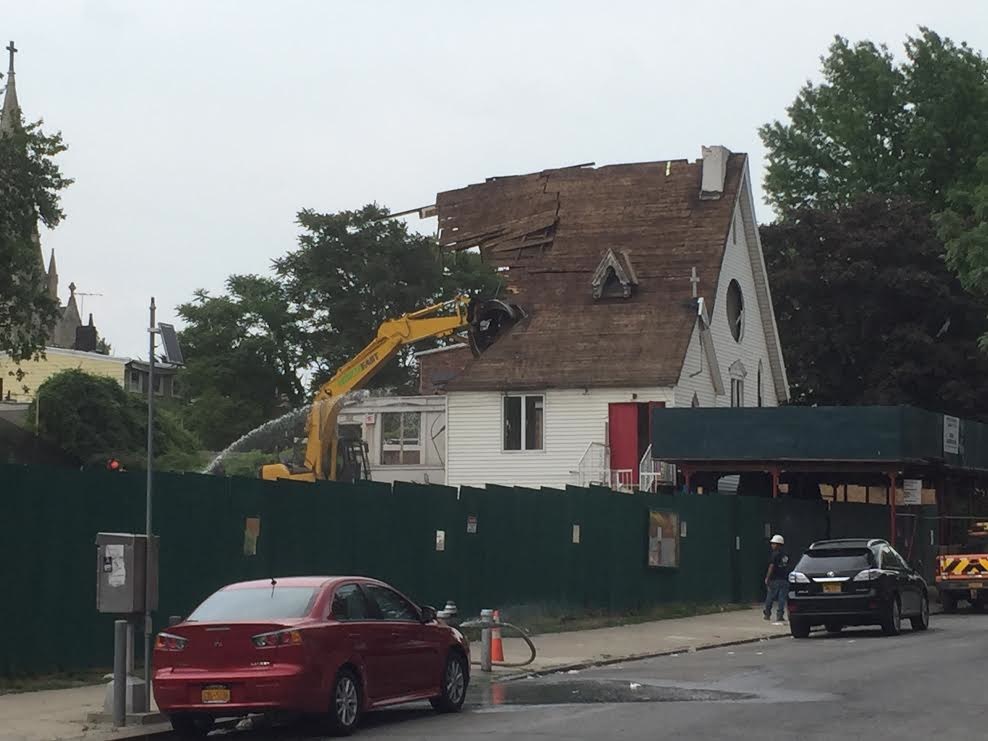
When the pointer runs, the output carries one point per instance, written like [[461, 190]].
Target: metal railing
[[594, 468], [652, 473]]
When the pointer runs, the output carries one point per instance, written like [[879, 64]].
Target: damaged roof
[[549, 232]]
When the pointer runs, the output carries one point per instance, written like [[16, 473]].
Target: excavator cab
[[352, 464]]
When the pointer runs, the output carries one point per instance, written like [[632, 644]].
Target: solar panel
[[173, 353]]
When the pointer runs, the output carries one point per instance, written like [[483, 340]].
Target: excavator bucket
[[489, 320]]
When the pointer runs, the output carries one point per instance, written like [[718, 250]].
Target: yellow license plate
[[831, 588], [215, 695], [974, 585]]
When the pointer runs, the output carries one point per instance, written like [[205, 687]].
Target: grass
[[57, 681]]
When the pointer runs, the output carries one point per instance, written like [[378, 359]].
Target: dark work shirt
[[780, 565]]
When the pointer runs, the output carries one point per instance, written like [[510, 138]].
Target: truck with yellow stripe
[[963, 576]]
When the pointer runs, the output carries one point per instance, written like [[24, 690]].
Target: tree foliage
[[94, 418], [30, 184], [918, 129], [259, 350], [244, 354], [869, 313]]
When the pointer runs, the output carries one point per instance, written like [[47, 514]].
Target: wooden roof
[[548, 231]]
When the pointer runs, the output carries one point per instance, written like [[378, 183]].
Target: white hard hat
[[778, 539]]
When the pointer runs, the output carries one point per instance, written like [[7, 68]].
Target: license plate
[[831, 588], [215, 695], [974, 585]]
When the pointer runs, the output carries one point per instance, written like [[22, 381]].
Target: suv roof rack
[[848, 543]]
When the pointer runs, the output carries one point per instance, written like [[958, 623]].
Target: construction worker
[[777, 579]]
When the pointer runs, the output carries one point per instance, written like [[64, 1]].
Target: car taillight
[[868, 575], [169, 642], [796, 577], [278, 638]]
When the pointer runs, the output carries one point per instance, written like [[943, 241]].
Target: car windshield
[[256, 603], [834, 559]]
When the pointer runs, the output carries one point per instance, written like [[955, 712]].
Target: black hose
[[477, 623]]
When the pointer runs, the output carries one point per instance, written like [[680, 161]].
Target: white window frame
[[737, 392], [401, 447], [501, 431]]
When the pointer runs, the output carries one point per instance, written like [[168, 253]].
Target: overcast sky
[[197, 129]]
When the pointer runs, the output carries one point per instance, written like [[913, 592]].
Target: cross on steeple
[[13, 50], [694, 281]]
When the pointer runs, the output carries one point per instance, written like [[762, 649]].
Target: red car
[[330, 646]]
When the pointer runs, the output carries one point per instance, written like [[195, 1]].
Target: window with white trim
[[522, 422], [737, 392], [401, 438]]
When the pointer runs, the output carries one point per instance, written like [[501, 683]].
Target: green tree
[[93, 418], [30, 184], [869, 313], [251, 352], [915, 129], [918, 129], [245, 353]]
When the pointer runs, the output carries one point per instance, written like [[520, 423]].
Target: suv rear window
[[255, 603], [836, 559]]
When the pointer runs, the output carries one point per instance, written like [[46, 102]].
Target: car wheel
[[834, 627], [922, 621], [799, 628], [949, 603], [454, 687], [344, 711], [192, 726], [892, 622]]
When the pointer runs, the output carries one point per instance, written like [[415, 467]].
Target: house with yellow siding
[[56, 359]]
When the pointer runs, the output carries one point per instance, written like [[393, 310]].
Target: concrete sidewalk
[[559, 651], [62, 714]]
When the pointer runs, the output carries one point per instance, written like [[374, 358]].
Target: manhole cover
[[567, 692]]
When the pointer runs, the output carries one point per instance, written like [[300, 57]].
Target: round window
[[735, 310]]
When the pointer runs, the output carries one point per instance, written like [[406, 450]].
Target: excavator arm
[[439, 320]]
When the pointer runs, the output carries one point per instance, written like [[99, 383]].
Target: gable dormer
[[614, 277]]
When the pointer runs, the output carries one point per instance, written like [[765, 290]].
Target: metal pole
[[147, 522], [487, 619], [119, 673], [131, 637]]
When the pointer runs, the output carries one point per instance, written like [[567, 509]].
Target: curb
[[634, 657]]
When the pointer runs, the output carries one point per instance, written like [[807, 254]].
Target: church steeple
[[52, 277], [10, 113]]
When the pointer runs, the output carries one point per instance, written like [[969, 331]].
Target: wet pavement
[[858, 684]]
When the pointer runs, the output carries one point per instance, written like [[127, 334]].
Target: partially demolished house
[[642, 284]]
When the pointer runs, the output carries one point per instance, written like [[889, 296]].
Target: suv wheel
[[454, 687], [344, 710], [892, 622], [922, 621], [799, 628]]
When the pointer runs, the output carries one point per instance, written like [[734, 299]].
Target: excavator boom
[[437, 321]]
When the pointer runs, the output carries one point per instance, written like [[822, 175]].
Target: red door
[[622, 433]]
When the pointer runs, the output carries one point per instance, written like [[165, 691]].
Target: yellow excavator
[[329, 458]]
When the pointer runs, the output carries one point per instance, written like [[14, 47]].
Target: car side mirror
[[174, 620], [428, 614]]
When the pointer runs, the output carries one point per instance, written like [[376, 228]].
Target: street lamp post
[[147, 512]]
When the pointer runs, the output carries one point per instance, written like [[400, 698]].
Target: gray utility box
[[120, 572]]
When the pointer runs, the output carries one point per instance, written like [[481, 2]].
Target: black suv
[[855, 582]]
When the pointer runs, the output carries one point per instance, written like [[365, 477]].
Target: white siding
[[432, 431], [750, 350], [574, 418]]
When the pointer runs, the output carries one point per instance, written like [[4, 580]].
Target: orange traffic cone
[[497, 649]]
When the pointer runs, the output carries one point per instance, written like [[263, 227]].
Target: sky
[[197, 129]]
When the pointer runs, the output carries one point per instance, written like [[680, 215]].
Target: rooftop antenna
[[82, 303]]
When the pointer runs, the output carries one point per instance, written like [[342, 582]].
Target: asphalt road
[[855, 685]]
